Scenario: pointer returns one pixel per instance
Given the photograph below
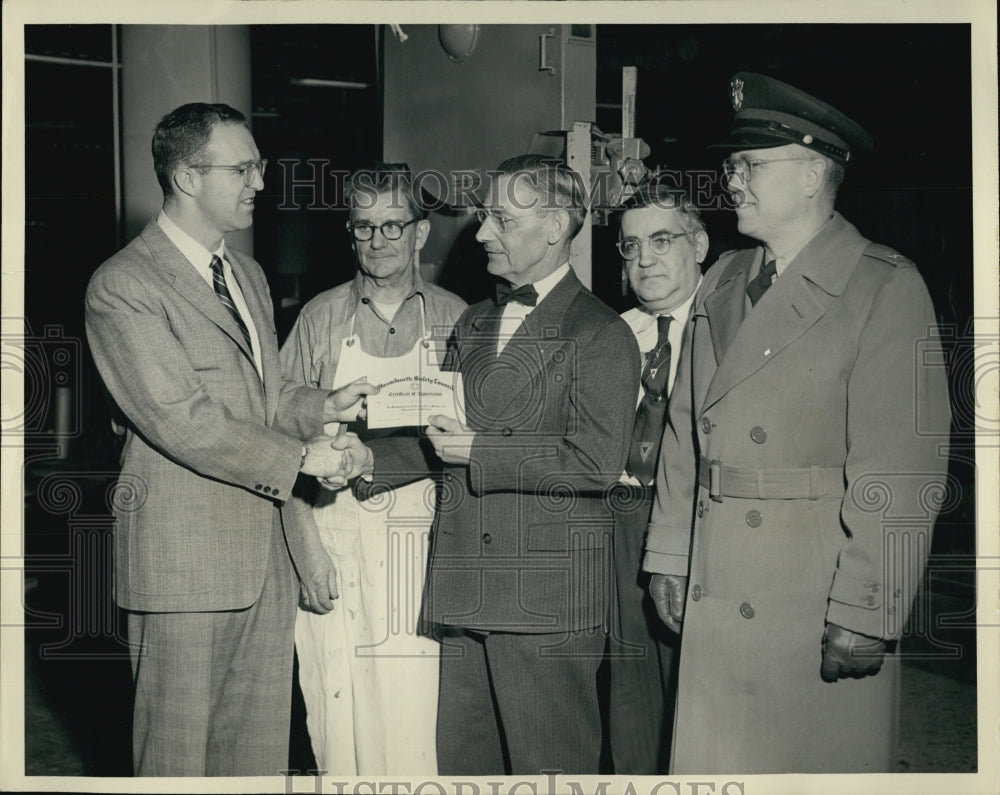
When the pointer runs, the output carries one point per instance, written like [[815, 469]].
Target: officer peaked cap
[[771, 113]]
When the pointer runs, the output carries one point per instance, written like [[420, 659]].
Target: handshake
[[335, 460]]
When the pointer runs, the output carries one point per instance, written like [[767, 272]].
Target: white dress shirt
[[643, 325], [515, 312], [201, 260]]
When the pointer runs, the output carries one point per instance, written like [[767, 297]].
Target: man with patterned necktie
[[662, 241], [811, 385], [182, 331]]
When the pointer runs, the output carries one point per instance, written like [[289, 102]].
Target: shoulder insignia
[[886, 254]]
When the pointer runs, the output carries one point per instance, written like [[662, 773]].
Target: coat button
[[267, 489], [870, 601], [258, 487], [392, 330], [746, 610], [364, 301], [275, 492], [874, 587], [696, 593], [753, 518], [506, 432], [701, 509], [487, 538], [706, 425], [758, 434]]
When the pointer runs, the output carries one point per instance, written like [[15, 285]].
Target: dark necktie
[[525, 294], [651, 415], [221, 290], [759, 285]]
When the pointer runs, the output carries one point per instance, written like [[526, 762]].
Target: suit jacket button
[[258, 487], [275, 492], [753, 518], [746, 610], [507, 432], [267, 489], [706, 425], [758, 434], [696, 593], [487, 538]]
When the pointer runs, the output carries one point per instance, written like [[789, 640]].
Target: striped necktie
[[221, 290], [651, 415]]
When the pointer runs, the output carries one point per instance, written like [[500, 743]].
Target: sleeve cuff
[[660, 563]]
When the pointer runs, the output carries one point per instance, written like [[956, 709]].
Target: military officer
[[793, 446]]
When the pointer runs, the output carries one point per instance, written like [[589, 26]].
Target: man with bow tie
[[808, 442], [663, 242], [518, 588]]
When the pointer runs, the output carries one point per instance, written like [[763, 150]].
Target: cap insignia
[[736, 92]]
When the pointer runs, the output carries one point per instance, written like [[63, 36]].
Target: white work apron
[[370, 683]]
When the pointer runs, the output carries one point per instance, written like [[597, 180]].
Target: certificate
[[411, 398]]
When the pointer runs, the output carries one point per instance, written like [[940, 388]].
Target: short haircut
[[656, 190], [377, 179], [181, 137], [559, 186]]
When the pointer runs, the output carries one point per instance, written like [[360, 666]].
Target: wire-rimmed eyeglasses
[[503, 223], [744, 166], [391, 230], [659, 243], [249, 171]]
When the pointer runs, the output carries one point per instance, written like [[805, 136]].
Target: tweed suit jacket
[[522, 535], [211, 448]]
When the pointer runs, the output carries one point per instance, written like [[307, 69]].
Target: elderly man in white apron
[[369, 680]]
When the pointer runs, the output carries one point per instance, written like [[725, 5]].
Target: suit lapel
[[189, 283], [790, 308], [725, 306], [528, 353]]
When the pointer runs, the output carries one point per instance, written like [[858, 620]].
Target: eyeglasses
[[249, 171], [502, 222], [391, 230], [659, 243], [744, 166]]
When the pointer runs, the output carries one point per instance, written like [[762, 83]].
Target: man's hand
[[850, 654], [668, 592], [360, 459], [324, 461], [317, 582], [347, 403], [452, 441]]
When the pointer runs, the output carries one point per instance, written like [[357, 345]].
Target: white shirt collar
[[193, 251], [544, 285]]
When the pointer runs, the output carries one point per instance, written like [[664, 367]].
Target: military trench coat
[[799, 480]]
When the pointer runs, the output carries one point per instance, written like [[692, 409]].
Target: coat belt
[[769, 484]]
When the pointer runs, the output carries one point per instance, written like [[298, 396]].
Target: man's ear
[[816, 174], [558, 226], [186, 181], [700, 246], [423, 231]]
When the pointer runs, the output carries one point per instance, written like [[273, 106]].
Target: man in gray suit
[[182, 332], [662, 241], [518, 587]]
